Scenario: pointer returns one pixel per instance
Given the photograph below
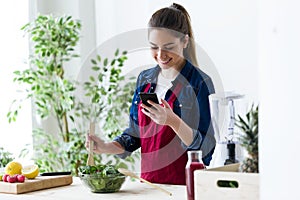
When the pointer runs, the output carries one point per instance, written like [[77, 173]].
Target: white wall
[[279, 40]]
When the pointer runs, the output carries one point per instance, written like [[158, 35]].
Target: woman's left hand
[[159, 114]]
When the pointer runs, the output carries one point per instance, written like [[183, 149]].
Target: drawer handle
[[227, 184]]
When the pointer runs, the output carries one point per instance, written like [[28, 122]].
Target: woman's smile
[[165, 62]]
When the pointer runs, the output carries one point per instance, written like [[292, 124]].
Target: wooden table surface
[[130, 190]]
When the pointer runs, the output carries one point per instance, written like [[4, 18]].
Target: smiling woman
[[13, 51], [164, 133]]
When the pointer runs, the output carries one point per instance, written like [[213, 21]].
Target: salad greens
[[101, 178], [99, 170]]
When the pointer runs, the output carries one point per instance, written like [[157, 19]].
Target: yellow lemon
[[30, 171], [13, 168]]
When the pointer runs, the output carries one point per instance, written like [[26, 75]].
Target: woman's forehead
[[162, 37]]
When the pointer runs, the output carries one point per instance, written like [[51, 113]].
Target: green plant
[[53, 94], [54, 40], [249, 139], [5, 157], [105, 89], [109, 98]]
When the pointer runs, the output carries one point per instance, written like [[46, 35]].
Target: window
[[14, 54]]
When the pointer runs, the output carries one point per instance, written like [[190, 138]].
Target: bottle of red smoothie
[[194, 162]]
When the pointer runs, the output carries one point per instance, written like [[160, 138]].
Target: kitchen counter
[[130, 190]]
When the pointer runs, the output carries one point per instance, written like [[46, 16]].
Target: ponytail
[[176, 18]]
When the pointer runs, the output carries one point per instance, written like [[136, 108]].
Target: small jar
[[194, 163]]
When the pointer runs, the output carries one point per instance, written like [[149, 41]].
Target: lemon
[[30, 171], [13, 168]]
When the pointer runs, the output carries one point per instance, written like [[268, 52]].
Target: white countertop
[[130, 190]]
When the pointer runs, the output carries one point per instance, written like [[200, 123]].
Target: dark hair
[[176, 18]]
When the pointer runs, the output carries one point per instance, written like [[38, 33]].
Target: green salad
[[101, 178]]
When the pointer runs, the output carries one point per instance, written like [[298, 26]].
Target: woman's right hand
[[100, 146]]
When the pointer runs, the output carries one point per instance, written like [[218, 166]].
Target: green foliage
[[53, 40], [53, 94], [249, 140], [109, 93], [104, 87], [110, 96], [249, 126], [103, 170], [5, 157]]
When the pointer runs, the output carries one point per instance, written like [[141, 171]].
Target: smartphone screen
[[148, 96]]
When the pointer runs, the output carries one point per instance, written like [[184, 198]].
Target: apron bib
[[163, 159]]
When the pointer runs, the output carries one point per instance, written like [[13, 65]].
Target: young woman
[[181, 121]]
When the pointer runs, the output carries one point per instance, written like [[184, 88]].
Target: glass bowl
[[99, 184]]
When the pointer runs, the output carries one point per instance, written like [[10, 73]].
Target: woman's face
[[166, 49]]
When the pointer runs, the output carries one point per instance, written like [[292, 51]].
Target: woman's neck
[[172, 72]]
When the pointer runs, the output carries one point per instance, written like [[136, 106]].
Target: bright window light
[[14, 54]]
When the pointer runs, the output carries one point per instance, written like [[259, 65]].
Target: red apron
[[163, 159]]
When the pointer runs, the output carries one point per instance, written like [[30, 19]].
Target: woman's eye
[[169, 48], [165, 48], [154, 48]]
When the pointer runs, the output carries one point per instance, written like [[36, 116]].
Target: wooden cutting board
[[39, 183]]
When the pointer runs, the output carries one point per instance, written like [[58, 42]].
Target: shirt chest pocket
[[183, 107]]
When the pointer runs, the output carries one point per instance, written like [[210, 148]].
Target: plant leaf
[[105, 62]]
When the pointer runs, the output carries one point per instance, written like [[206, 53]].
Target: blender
[[225, 107]]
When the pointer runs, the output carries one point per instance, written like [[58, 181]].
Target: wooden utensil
[[90, 160], [133, 175]]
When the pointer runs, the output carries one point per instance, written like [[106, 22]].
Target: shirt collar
[[184, 73]]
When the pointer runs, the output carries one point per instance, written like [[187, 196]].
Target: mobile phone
[[148, 96]]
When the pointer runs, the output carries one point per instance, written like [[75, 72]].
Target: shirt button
[[180, 105], [135, 102]]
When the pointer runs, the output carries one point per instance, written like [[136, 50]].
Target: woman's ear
[[186, 41]]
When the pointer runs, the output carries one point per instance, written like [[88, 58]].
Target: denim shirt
[[191, 105]]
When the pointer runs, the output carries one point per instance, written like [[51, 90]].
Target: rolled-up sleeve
[[129, 140], [203, 136]]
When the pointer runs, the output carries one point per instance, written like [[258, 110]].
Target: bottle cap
[[195, 154]]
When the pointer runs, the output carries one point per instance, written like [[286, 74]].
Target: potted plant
[[53, 93], [249, 140]]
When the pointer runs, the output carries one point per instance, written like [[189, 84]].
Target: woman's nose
[[161, 53]]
